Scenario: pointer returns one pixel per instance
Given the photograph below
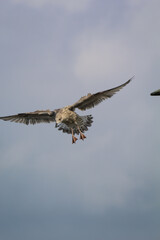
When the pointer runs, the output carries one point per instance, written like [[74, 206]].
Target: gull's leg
[[74, 139], [82, 136]]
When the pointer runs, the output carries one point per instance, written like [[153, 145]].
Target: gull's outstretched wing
[[32, 117], [92, 100]]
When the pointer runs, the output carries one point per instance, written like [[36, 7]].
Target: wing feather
[[32, 117], [92, 100]]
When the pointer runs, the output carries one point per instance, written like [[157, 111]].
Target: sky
[[107, 186]]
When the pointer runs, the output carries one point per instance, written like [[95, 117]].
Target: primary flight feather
[[66, 118]]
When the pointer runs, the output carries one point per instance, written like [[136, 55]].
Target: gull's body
[[66, 118]]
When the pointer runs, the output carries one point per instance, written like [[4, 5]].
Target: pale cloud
[[135, 3], [99, 58], [69, 5], [101, 53]]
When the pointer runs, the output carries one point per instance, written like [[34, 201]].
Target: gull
[[66, 119]]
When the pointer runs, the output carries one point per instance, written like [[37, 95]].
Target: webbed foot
[[74, 139], [82, 136]]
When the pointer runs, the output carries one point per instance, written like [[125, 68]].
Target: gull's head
[[59, 118]]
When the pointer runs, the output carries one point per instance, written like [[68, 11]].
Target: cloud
[[99, 58], [70, 5], [102, 53], [42, 173], [135, 3]]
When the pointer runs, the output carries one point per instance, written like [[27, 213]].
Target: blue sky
[[107, 187]]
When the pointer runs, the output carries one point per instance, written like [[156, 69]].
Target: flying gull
[[66, 118]]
